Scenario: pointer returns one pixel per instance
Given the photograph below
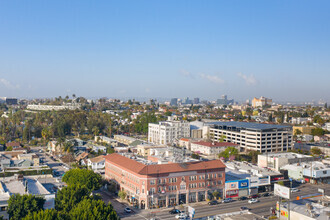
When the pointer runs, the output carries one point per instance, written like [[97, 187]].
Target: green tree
[[195, 156], [69, 196], [48, 214], [122, 194], [318, 132], [89, 179], [20, 205], [297, 132], [230, 151], [110, 150], [90, 209]]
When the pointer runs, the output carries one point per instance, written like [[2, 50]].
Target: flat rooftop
[[289, 155], [248, 125], [247, 168]]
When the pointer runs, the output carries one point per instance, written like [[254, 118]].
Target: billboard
[[259, 181], [282, 191], [243, 184]]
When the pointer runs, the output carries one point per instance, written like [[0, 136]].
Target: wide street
[[261, 208], [57, 166]]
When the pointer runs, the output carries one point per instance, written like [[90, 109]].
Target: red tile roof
[[215, 144], [184, 139], [125, 162], [143, 169]]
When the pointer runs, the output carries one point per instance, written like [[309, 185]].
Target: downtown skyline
[[166, 49]]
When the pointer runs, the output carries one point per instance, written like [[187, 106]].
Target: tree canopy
[[69, 196], [90, 209], [48, 214], [230, 151], [20, 205], [82, 177]]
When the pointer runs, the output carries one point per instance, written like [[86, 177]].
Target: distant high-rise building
[[225, 101], [187, 101], [196, 100], [261, 102], [174, 102], [11, 101]]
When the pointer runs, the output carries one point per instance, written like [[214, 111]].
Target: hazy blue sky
[[278, 49]]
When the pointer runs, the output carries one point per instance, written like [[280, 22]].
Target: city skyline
[[180, 49]]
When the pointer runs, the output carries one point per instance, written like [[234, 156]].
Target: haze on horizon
[[276, 49]]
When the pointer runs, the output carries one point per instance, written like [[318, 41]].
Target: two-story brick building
[[165, 185]]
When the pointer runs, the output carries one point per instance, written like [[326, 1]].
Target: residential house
[[96, 163]]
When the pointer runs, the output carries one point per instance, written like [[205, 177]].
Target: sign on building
[[282, 191]]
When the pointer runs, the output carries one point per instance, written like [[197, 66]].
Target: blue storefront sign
[[243, 184]]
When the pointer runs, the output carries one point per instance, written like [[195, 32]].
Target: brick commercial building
[[165, 185]]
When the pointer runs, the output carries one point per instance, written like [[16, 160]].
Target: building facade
[[262, 101], [276, 161], [253, 136], [166, 132], [211, 148], [165, 185]]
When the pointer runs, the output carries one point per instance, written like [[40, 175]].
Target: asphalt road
[[202, 210], [52, 163]]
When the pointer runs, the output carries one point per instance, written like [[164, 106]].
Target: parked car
[[227, 200], [242, 198], [254, 196], [181, 216], [214, 202], [266, 194], [244, 208], [294, 190], [128, 210], [253, 201], [174, 211]]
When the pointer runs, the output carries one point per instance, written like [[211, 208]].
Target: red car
[[254, 196]]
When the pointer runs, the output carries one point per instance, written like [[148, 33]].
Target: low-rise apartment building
[[163, 185], [252, 136]]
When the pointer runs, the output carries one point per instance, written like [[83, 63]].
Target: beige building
[[32, 157], [262, 101], [144, 149], [124, 139], [303, 129]]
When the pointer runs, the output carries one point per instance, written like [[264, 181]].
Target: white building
[[52, 107], [211, 148], [96, 163], [252, 136], [24, 186], [327, 126], [102, 149], [166, 132], [276, 161]]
